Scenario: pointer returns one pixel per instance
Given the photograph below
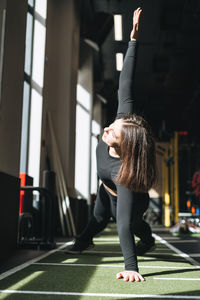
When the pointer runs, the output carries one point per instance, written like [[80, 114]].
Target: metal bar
[[176, 177], [61, 176], [166, 195], [59, 182]]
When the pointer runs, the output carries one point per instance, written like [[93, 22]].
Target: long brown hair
[[138, 170]]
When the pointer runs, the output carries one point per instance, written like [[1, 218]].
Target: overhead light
[[118, 27], [119, 61]]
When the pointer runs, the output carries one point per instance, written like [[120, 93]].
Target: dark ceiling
[[167, 88]]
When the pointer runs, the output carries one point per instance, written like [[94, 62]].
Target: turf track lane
[[99, 281], [98, 295]]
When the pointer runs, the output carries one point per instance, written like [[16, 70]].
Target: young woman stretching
[[126, 165]]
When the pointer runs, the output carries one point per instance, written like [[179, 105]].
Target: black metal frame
[[47, 238]]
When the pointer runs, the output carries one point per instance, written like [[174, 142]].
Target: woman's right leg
[[100, 217]]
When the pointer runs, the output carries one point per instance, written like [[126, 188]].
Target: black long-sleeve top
[[108, 166]]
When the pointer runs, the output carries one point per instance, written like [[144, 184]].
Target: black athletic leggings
[[105, 207]]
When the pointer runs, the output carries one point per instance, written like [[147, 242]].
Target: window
[[2, 35], [82, 155], [33, 85], [95, 136]]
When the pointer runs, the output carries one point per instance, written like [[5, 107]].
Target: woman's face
[[112, 134]]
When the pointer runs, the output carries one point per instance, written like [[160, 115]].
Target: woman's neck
[[114, 152]]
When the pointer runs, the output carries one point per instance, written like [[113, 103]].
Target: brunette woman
[[126, 166]]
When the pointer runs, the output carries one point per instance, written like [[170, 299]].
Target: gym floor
[[171, 271]]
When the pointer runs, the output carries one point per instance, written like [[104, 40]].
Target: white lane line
[[177, 239], [170, 267], [79, 265], [93, 251], [172, 238], [161, 253], [99, 294], [106, 239], [161, 250], [194, 254], [112, 266], [174, 278], [61, 243], [184, 241], [104, 252], [32, 261], [182, 254]]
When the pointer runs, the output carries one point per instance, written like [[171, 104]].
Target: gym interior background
[[59, 68]]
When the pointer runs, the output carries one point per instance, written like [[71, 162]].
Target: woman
[[126, 166]]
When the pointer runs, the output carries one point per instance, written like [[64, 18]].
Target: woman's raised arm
[[126, 80], [136, 19]]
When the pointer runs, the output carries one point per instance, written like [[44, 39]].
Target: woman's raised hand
[[130, 276], [136, 19]]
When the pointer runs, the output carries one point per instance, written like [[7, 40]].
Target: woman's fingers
[[119, 275], [136, 16], [137, 13], [130, 276], [126, 278], [141, 278], [137, 278]]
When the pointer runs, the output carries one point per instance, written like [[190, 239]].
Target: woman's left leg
[[100, 217], [97, 223]]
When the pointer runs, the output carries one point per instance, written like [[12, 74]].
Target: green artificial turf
[[98, 279]]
